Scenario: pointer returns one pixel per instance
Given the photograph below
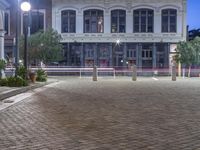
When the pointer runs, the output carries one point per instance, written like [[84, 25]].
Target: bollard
[[173, 72], [95, 73], [134, 73]]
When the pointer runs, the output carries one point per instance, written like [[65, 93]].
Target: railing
[[104, 71]]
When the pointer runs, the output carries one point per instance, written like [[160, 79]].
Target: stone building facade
[[115, 33], [107, 33]]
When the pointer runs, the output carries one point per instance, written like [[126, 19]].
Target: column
[[110, 55], [95, 54], [154, 55], [124, 55], [158, 22], [2, 32], [137, 54], [140, 55], [167, 50], [82, 56], [68, 55]]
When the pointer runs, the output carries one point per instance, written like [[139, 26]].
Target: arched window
[[93, 21], [68, 21], [118, 21], [169, 20], [36, 20], [143, 20]]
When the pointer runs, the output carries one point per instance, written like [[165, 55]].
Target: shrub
[[3, 82], [13, 82], [21, 72], [41, 75], [2, 64]]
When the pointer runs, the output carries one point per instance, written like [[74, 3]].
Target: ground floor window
[[145, 55]]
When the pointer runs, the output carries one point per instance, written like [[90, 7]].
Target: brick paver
[[78, 114]]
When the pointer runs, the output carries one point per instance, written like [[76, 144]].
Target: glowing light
[[118, 41], [25, 6]]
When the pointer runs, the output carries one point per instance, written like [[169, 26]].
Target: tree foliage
[[188, 53], [43, 46]]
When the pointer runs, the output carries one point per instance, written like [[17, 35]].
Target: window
[[6, 22], [36, 21], [89, 50], [103, 50], [146, 54], [169, 19], [118, 21], [143, 20], [131, 51], [93, 21], [68, 21]]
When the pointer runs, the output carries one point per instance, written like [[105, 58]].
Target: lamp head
[[25, 6]]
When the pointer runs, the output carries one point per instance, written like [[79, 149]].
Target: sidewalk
[[6, 92]]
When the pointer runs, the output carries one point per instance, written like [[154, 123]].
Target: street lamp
[[25, 7]]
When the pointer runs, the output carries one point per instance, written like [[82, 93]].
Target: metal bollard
[[134, 73], [173, 72], [95, 73]]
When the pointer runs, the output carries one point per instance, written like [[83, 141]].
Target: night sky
[[193, 12]]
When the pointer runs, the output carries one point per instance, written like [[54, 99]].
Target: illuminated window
[[93, 21]]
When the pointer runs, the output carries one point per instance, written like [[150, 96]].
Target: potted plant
[[32, 76]]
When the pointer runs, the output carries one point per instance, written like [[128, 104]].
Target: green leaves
[[188, 53], [2, 64], [44, 46]]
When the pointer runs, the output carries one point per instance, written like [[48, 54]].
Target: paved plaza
[[110, 114]]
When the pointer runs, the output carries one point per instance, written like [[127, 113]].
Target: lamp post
[[25, 7], [17, 38]]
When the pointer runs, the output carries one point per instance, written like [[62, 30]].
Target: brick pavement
[[78, 114]]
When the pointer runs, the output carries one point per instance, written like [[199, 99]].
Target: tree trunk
[[189, 71]]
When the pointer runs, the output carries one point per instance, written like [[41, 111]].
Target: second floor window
[[35, 20], [143, 20], [6, 22], [118, 21], [68, 21], [93, 21], [169, 19]]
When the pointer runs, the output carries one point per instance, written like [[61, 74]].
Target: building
[[119, 33], [40, 19], [109, 33], [3, 6]]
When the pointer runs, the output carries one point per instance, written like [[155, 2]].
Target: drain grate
[[8, 101]]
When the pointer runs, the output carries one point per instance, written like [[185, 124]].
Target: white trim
[[144, 6]]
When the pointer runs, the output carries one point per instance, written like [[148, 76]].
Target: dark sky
[[193, 14]]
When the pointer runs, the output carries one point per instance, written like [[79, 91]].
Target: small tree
[[43, 46], [185, 54], [196, 45]]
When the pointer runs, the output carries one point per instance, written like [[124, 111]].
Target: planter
[[32, 77]]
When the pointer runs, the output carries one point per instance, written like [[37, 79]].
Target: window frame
[[69, 13], [93, 21], [169, 15], [118, 20], [147, 16]]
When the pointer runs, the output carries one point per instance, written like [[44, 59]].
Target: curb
[[23, 90]]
